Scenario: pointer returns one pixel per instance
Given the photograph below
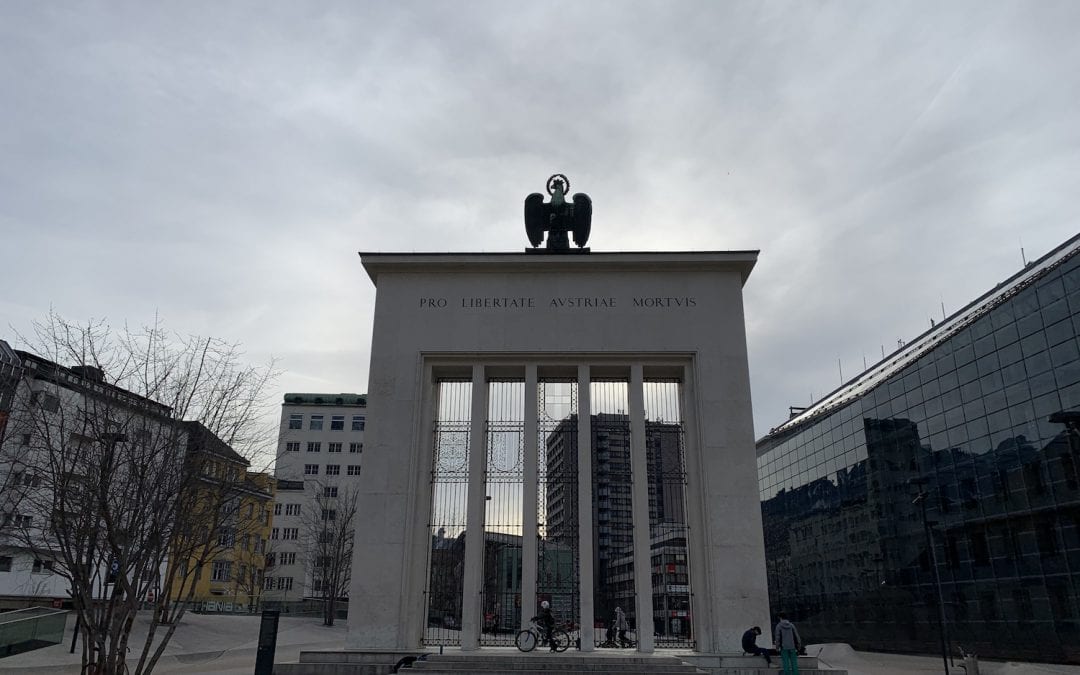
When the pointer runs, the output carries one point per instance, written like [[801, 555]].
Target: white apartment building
[[48, 408], [320, 445]]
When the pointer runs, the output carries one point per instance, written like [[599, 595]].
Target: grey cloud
[[222, 164]]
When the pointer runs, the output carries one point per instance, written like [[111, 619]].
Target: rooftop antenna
[[841, 369], [943, 308], [1022, 256], [864, 361]]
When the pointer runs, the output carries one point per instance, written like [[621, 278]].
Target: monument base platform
[[510, 660]]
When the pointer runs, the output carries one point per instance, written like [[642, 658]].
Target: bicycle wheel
[[525, 640], [560, 640]]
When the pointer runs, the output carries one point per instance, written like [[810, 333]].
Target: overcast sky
[[221, 163]]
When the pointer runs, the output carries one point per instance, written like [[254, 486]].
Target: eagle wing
[[536, 218], [582, 218]]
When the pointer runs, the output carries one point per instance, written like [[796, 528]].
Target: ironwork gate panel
[[449, 491], [613, 513], [504, 474], [665, 440], [558, 564]]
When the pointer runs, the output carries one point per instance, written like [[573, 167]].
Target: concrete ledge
[[345, 662], [738, 664]]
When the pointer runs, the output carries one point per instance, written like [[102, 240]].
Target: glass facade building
[[956, 454]]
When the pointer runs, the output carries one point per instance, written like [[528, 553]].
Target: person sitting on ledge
[[749, 644]]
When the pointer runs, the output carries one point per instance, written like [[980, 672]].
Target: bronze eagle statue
[[558, 217]]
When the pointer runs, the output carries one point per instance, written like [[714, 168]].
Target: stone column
[[473, 581], [702, 585], [585, 500], [529, 500], [639, 466]]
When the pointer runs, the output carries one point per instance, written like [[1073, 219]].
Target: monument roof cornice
[[376, 263]]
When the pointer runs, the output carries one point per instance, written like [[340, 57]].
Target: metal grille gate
[[668, 530], [558, 555], [612, 513], [504, 473], [449, 490], [558, 562]]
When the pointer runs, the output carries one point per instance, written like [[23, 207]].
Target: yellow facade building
[[235, 509]]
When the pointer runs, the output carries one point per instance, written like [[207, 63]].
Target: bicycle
[[529, 638]]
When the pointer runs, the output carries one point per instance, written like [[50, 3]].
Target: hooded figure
[[787, 640]]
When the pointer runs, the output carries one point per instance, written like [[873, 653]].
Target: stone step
[[565, 664], [759, 662], [510, 660], [732, 664], [593, 670]]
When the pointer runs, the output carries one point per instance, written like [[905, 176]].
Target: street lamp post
[[921, 499]]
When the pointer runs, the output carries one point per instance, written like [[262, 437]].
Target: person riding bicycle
[[546, 620]]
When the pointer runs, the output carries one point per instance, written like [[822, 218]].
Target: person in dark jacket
[[749, 644], [546, 620]]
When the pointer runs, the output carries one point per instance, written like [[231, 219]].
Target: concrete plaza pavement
[[226, 645]]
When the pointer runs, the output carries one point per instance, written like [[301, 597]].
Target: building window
[[284, 583], [314, 446], [354, 470], [329, 514], [356, 447], [26, 479], [271, 559], [337, 423], [333, 447], [296, 421], [292, 446], [330, 491], [333, 469], [311, 469], [42, 566], [1046, 538], [226, 537], [290, 533], [277, 509], [222, 570], [358, 423], [5, 563], [268, 583], [292, 509], [315, 424], [288, 558], [274, 533]]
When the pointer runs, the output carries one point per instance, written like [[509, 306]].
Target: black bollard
[[264, 657]]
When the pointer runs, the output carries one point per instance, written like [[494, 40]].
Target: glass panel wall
[[984, 431]]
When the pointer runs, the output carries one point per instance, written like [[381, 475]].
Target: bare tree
[[114, 485], [328, 526]]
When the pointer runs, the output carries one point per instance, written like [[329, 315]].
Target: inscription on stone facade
[[559, 302]]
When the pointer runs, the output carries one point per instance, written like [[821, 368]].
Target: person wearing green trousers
[[786, 639]]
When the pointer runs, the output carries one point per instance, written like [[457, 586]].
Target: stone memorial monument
[[559, 425]]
